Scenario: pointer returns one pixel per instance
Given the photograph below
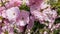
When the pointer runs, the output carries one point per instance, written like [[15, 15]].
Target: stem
[[3, 4], [36, 31]]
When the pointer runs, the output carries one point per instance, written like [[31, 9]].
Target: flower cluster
[[13, 18]]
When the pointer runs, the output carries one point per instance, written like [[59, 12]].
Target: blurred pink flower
[[35, 4], [3, 14], [38, 15], [7, 26], [13, 3], [2, 8], [45, 32], [9, 29], [27, 2], [45, 15], [49, 15], [31, 22], [44, 5], [56, 26]]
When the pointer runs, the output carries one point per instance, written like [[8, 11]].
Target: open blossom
[[12, 13], [24, 18]]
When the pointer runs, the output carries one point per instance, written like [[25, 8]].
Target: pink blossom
[[21, 28], [38, 15], [3, 14], [50, 15], [24, 18], [31, 22], [35, 4], [44, 5], [45, 15], [8, 29], [2, 8], [27, 2], [13, 3], [56, 26], [12, 13]]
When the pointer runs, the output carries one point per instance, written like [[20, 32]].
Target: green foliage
[[24, 7], [6, 32], [37, 25], [56, 31], [57, 21], [15, 31]]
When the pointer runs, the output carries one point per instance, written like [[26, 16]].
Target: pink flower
[[37, 14], [56, 26], [44, 5], [45, 15], [5, 21], [2, 9], [24, 18], [31, 22], [3, 14], [13, 3], [49, 15], [7, 26], [12, 13], [9, 29], [21, 28], [27, 2], [35, 4]]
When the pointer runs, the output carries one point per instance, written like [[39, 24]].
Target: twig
[[3, 4]]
